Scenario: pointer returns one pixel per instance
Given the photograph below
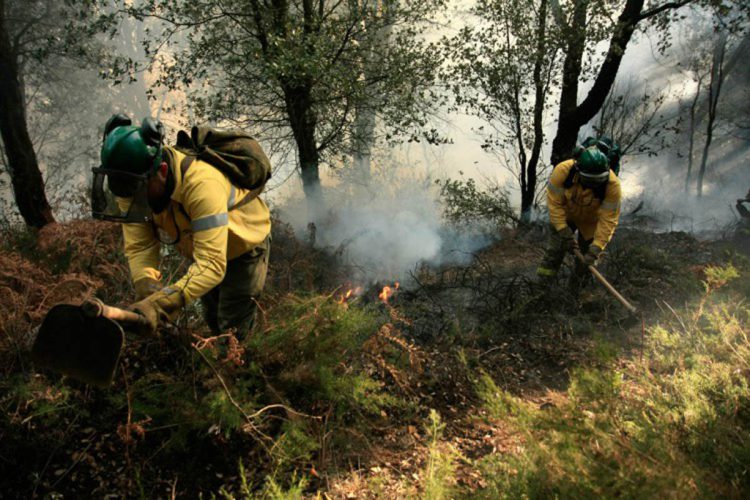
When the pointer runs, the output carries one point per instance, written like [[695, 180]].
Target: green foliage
[[59, 50], [315, 351], [313, 68], [717, 277], [42, 404], [468, 205], [273, 491], [501, 70], [439, 474], [676, 424], [497, 402], [295, 445]]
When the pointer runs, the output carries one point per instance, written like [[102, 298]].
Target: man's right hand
[[568, 240]]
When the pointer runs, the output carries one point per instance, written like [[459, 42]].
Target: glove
[[145, 287], [567, 240], [592, 255], [158, 308]]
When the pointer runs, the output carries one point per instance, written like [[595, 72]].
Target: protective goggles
[[123, 198]]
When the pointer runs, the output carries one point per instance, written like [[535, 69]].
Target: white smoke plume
[[386, 229]]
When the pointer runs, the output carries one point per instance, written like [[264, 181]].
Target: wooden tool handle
[[606, 284], [97, 308]]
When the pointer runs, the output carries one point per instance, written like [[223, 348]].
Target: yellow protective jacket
[[212, 222], [580, 206]]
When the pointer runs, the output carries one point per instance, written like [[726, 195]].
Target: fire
[[350, 294], [388, 292]]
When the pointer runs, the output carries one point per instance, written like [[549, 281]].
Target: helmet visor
[[119, 196], [590, 180]]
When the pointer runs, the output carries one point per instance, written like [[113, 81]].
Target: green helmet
[[131, 151], [130, 155], [593, 166], [607, 146]]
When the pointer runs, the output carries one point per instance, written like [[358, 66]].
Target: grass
[[674, 424], [440, 469]]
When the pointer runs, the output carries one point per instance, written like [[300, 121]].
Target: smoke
[[386, 229], [656, 178]]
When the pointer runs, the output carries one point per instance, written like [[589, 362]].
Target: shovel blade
[[81, 347]]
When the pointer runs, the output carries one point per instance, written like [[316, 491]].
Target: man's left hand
[[592, 255], [159, 308]]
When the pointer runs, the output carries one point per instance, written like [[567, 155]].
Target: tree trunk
[[28, 185], [572, 117], [303, 121], [565, 139], [528, 195], [691, 142], [364, 130], [714, 91], [365, 120]]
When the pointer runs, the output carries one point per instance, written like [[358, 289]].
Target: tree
[[699, 77], [718, 74], [713, 52], [23, 168], [37, 40], [585, 26], [502, 71], [294, 69], [637, 118]]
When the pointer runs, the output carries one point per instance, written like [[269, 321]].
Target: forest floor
[[472, 381]]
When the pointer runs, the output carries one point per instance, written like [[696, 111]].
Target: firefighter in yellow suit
[[219, 227], [583, 195]]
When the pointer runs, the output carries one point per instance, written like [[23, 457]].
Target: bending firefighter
[[583, 195], [202, 197]]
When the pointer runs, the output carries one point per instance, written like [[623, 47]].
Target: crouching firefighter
[[583, 195], [202, 197]]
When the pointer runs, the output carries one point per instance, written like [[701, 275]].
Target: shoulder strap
[[249, 196], [571, 176], [185, 165], [601, 191]]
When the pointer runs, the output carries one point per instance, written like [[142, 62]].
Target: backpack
[[233, 152]]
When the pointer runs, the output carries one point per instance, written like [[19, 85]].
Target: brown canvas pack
[[234, 152]]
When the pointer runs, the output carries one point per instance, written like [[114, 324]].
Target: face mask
[[119, 196]]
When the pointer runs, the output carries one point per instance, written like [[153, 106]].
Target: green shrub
[[466, 204], [439, 474], [676, 424], [315, 350]]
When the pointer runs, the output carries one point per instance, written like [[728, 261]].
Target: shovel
[[601, 279], [84, 342]]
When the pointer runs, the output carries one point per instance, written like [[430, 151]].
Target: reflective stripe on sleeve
[[555, 189], [232, 194], [611, 205], [210, 222]]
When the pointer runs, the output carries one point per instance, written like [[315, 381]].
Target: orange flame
[[350, 294], [388, 292]]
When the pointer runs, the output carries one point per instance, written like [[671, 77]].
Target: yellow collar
[[174, 159]]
